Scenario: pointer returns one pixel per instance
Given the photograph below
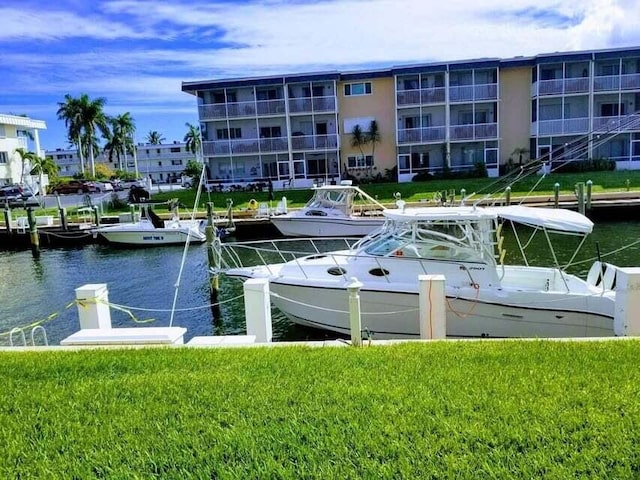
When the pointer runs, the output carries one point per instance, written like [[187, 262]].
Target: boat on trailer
[[485, 297], [334, 211], [151, 230]]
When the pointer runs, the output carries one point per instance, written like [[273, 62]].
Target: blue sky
[[137, 53]]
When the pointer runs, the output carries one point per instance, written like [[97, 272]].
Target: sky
[[136, 53]]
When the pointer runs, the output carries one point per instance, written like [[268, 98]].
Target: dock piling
[[213, 256], [589, 187], [257, 309], [433, 317], [580, 195], [7, 219], [556, 195], [507, 195], [33, 233]]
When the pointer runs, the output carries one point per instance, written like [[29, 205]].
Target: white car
[[104, 186]]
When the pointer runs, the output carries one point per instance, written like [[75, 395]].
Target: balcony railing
[[560, 86], [315, 142], [617, 82], [471, 93], [312, 104], [240, 109], [565, 126], [423, 96], [474, 132], [421, 135], [625, 123]]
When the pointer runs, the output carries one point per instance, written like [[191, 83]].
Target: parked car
[[9, 193], [74, 186], [105, 186]]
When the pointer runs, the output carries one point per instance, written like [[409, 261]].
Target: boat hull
[[292, 226], [388, 314], [155, 237]]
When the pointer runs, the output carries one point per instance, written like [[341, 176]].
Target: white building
[[13, 135], [161, 163]]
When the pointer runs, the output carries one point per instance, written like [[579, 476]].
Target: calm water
[[31, 289]]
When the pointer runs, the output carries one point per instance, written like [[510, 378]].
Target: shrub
[[590, 165]]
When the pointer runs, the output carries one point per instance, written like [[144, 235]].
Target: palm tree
[[114, 145], [25, 157], [83, 117], [154, 137], [69, 111], [40, 166], [123, 129], [358, 139], [192, 138], [373, 137]]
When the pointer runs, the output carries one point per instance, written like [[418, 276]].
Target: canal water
[[143, 282]]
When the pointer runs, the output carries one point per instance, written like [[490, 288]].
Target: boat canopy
[[549, 218], [430, 214]]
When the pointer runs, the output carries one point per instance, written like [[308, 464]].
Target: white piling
[[355, 320], [626, 319], [93, 306], [433, 311], [257, 309]]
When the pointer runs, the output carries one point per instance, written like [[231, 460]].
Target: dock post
[[589, 187], [7, 219], [580, 195], [62, 213], [433, 311], [355, 319], [93, 306], [257, 309], [463, 193], [626, 317], [556, 195], [96, 215], [507, 195], [213, 256], [33, 233]]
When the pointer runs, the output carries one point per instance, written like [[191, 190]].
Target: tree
[[83, 117], [373, 137], [520, 151], [358, 139], [192, 138], [69, 111], [41, 166], [154, 137], [120, 137], [25, 158]]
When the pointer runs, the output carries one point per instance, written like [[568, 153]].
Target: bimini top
[[411, 214], [550, 218], [537, 217]]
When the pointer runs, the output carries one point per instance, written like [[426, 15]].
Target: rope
[[48, 318], [473, 307], [612, 252], [188, 309], [341, 311]]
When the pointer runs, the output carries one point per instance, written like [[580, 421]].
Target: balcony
[[616, 82], [478, 131], [315, 142], [560, 87], [565, 126], [424, 96], [219, 111], [244, 146], [312, 104], [473, 93], [626, 123], [421, 135]]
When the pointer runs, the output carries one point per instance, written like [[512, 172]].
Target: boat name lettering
[[462, 267], [153, 237]]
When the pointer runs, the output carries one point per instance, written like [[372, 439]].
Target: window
[[159, 164], [353, 89], [359, 161], [610, 109], [4, 157], [176, 162], [175, 149], [318, 91], [270, 132], [225, 134], [218, 97]]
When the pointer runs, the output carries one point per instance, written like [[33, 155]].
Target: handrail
[[44, 335], [14, 330]]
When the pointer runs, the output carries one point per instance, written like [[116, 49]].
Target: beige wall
[[515, 111], [380, 105]]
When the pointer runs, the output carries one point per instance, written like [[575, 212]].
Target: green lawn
[[415, 191], [463, 410]]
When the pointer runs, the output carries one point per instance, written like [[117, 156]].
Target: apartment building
[[431, 117], [15, 132], [162, 163]]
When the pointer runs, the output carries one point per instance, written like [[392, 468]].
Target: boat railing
[[267, 252]]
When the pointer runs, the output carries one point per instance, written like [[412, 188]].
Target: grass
[[415, 191], [442, 410]]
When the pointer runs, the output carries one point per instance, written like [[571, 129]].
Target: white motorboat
[[333, 211], [485, 298], [150, 230]]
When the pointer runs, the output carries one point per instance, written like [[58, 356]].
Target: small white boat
[[150, 230], [485, 298], [333, 211]]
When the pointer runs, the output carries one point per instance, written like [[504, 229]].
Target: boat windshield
[[468, 241], [338, 199]]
